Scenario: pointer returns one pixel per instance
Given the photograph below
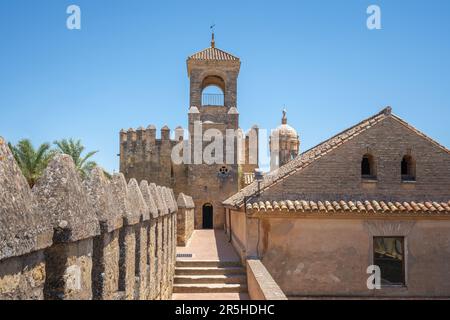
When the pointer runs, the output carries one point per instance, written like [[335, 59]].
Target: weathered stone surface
[[162, 209], [23, 228], [152, 252], [61, 196], [159, 254], [165, 257], [163, 199], [100, 195], [105, 266], [138, 207], [121, 199], [142, 270], [174, 199], [167, 197], [69, 271], [151, 244], [127, 261], [185, 201], [185, 219], [22, 278], [149, 200]]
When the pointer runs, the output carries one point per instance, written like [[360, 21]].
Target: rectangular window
[[389, 255]]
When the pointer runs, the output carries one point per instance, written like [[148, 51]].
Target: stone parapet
[[261, 285], [185, 219], [99, 239]]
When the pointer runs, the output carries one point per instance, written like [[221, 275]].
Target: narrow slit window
[[368, 167], [408, 169]]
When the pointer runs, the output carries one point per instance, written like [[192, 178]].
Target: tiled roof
[[213, 53], [317, 152], [338, 208]]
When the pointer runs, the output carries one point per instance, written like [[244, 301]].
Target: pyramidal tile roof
[[213, 53], [317, 152]]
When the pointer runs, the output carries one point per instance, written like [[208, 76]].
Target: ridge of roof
[[309, 156], [213, 53]]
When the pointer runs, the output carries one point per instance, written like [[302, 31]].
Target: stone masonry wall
[[185, 219], [95, 239]]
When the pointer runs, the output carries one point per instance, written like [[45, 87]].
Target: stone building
[[145, 157], [376, 194]]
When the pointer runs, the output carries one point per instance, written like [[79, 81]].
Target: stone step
[[208, 288], [236, 279], [209, 270], [207, 263]]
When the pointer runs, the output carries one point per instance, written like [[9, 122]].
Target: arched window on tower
[[408, 169], [368, 167], [213, 88], [212, 96]]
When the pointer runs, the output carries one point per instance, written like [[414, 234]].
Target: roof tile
[[213, 53], [370, 208]]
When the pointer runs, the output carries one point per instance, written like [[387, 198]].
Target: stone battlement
[[93, 239], [149, 135]]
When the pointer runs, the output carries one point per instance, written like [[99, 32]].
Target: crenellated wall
[[94, 239], [144, 157]]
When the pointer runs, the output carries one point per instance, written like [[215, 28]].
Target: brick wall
[[337, 175]]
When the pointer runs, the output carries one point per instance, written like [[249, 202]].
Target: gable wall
[[338, 174]]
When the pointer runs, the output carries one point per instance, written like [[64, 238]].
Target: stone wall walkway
[[213, 272], [209, 245]]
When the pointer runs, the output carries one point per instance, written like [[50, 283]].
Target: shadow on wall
[[93, 239]]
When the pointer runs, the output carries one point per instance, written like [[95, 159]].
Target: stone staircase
[[209, 277]]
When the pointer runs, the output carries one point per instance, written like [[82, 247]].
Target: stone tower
[[284, 144], [208, 174], [212, 114]]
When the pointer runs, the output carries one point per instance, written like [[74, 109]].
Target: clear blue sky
[[126, 66]]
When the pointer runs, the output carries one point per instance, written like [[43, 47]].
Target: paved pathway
[[209, 245]]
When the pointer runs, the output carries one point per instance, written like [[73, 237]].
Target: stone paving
[[209, 245]]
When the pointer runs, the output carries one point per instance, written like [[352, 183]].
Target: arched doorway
[[207, 212]]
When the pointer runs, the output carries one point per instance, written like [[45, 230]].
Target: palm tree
[[75, 149], [32, 162]]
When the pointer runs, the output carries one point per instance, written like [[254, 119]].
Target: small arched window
[[212, 95], [368, 167], [408, 169], [213, 89]]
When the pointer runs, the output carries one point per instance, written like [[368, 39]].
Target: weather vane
[[212, 28]]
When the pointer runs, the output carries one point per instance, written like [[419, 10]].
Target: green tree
[[75, 149], [31, 161]]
